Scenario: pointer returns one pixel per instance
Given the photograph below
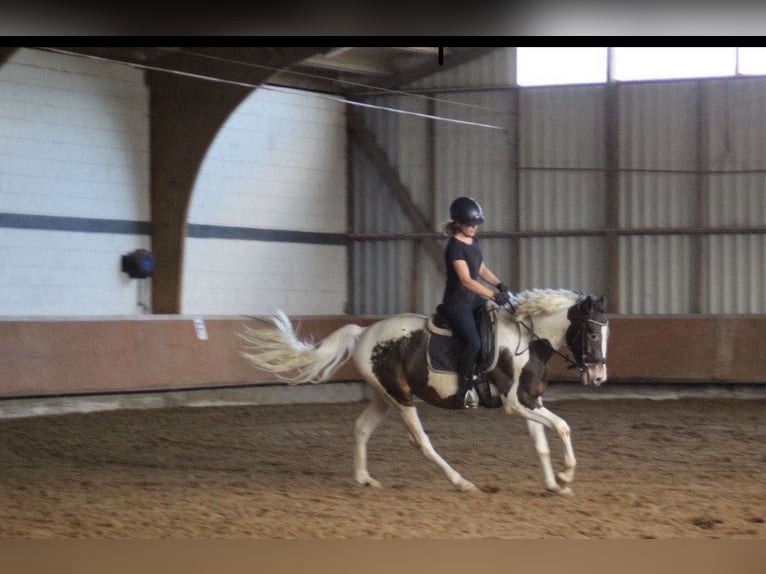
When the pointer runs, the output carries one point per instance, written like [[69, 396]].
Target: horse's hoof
[[466, 486], [562, 490], [369, 482], [566, 476]]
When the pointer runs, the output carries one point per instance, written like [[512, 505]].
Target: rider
[[464, 293]]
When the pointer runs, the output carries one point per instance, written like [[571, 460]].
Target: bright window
[[666, 63], [548, 66], [752, 61], [552, 66]]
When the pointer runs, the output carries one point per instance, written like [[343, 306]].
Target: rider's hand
[[502, 287], [501, 298]]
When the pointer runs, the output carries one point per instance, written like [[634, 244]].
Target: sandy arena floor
[[689, 468]]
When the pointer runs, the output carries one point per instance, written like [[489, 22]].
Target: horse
[[392, 357]]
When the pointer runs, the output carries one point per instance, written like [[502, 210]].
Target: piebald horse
[[391, 356]]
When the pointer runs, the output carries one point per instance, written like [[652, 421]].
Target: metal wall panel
[[564, 262], [562, 187], [693, 156], [656, 274], [734, 273], [478, 162], [562, 127], [689, 155], [460, 159], [733, 269], [658, 157]]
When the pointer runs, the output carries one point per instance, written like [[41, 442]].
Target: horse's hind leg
[[365, 425], [421, 440]]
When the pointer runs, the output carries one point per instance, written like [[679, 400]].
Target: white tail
[[279, 351]]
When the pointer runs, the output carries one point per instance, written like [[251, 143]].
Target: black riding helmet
[[467, 211]]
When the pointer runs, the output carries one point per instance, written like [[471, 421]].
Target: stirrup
[[471, 399], [484, 394]]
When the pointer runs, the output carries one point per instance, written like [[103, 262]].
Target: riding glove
[[501, 298], [502, 287]]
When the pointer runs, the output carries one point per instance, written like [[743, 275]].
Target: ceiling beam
[[366, 140], [453, 57], [243, 65]]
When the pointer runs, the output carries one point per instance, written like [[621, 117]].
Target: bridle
[[580, 362], [585, 359]]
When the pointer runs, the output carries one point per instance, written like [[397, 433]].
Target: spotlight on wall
[[138, 264]]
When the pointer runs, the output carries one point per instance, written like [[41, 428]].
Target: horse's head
[[587, 337]]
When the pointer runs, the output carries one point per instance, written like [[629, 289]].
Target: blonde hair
[[450, 228]]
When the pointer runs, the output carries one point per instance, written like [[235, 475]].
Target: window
[[552, 66], [547, 66], [752, 61], [666, 63]]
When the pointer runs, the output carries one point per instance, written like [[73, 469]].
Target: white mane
[[534, 302]]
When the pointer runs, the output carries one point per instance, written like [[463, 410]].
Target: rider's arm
[[488, 276], [461, 268]]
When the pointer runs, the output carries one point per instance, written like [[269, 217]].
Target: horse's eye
[[593, 336]]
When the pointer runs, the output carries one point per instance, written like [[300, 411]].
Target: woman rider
[[464, 294]]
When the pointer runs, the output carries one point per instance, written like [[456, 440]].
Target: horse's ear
[[581, 309], [601, 303], [587, 304]]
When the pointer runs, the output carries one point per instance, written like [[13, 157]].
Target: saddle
[[444, 348]]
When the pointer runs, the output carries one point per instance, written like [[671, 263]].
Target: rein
[[571, 363]]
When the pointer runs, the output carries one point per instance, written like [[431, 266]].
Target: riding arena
[[230, 284]]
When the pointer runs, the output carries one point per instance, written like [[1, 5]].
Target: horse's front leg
[[537, 419], [570, 462], [420, 439], [537, 432]]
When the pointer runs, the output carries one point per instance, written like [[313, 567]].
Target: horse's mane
[[534, 302]]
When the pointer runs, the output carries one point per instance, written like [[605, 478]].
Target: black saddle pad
[[444, 351]]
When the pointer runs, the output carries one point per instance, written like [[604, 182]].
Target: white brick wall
[[278, 163], [226, 277], [53, 273], [74, 142], [74, 138]]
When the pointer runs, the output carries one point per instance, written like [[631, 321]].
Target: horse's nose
[[599, 375]]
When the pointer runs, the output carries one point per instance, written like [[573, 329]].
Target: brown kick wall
[[39, 357]]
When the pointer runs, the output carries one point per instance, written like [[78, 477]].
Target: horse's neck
[[551, 326]]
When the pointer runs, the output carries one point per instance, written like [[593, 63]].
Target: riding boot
[[466, 381]]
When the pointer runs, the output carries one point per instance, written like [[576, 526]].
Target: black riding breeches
[[462, 319]]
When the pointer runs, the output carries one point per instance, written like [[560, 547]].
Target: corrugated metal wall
[[660, 201], [733, 269], [562, 187], [657, 150]]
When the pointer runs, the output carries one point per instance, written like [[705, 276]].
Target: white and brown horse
[[391, 356]]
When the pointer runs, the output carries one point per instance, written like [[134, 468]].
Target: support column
[[611, 141], [186, 114]]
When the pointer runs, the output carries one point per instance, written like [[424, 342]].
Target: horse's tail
[[279, 351]]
